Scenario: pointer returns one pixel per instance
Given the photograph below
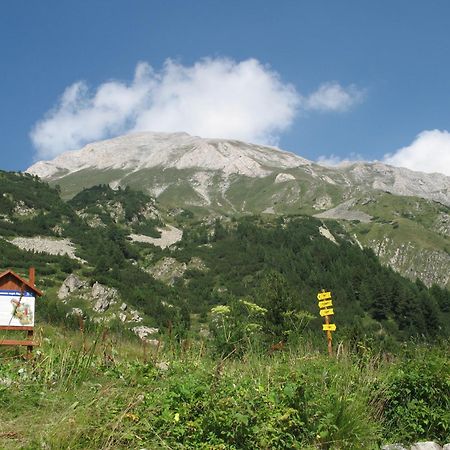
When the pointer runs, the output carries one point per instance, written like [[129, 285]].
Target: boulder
[[142, 332], [122, 317], [162, 366], [135, 317], [103, 296], [429, 445], [71, 284], [393, 447]]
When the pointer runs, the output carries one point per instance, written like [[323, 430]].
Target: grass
[[102, 391]]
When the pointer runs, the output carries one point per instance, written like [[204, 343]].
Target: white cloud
[[333, 97], [429, 152], [212, 98], [218, 98]]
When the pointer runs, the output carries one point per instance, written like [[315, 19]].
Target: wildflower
[[176, 417]]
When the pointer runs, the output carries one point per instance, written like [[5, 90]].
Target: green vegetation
[[103, 391]]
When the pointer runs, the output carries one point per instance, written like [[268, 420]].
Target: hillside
[[403, 216], [171, 267]]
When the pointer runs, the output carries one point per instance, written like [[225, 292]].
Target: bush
[[415, 401]]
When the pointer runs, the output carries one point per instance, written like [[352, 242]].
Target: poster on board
[[16, 309]]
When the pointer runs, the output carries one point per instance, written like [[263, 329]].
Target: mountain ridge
[[180, 151]]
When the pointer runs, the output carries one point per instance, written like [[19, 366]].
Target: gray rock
[[162, 366], [393, 447], [122, 317], [142, 332], [75, 312], [446, 447], [429, 445], [71, 284], [123, 307], [103, 296], [154, 342], [135, 317]]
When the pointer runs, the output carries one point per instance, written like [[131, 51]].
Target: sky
[[330, 81]]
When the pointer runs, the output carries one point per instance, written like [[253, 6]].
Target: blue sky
[[324, 79]]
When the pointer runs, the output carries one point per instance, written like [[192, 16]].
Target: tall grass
[[101, 393]]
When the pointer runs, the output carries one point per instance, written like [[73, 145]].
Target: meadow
[[100, 390]]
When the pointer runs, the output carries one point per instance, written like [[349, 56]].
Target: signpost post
[[326, 310]]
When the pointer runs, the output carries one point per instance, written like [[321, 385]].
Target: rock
[[122, 317], [446, 447], [429, 445], [78, 312], [153, 342], [123, 307], [142, 332], [393, 447], [283, 177], [104, 297], [135, 317], [325, 232], [162, 366], [51, 246], [345, 211], [21, 209], [71, 284], [169, 236]]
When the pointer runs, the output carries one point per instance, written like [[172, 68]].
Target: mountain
[[118, 256], [157, 162], [404, 216]]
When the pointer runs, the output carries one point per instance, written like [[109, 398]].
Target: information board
[[16, 309]]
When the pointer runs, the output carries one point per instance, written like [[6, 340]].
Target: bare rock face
[[143, 332], [71, 284], [283, 177], [345, 211], [103, 296]]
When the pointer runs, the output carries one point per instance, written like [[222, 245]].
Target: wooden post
[[329, 337], [326, 309], [32, 276], [30, 334]]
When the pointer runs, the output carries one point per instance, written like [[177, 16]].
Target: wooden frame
[[11, 281]]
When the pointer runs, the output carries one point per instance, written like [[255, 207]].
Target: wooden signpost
[[17, 302], [326, 310]]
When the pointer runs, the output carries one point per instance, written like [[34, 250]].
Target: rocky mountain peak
[[170, 150]]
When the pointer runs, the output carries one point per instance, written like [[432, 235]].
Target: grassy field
[[104, 391]]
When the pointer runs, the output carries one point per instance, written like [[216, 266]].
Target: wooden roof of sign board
[[11, 281]]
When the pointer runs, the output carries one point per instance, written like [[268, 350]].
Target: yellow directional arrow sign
[[326, 303], [323, 295], [329, 327], [326, 312]]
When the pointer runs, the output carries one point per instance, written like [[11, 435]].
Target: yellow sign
[[326, 312], [323, 295], [329, 327], [325, 303]]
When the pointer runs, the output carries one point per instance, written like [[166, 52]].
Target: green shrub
[[415, 399]]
